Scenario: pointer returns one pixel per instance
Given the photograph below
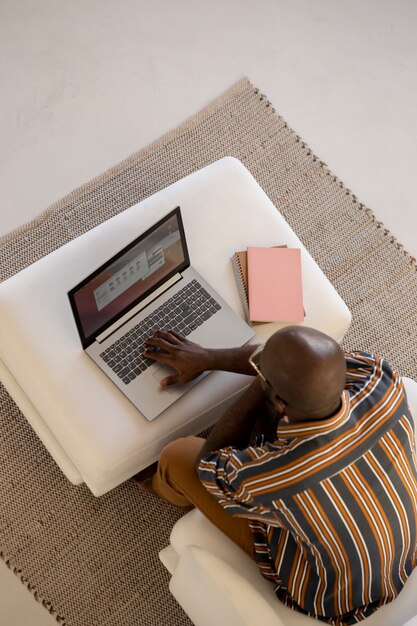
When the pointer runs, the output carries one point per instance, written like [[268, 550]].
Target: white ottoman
[[92, 431]]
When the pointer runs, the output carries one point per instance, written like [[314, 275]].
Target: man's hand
[[188, 358]]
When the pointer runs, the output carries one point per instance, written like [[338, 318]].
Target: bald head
[[306, 370]]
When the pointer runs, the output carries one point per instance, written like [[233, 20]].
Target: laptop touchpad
[[163, 372]]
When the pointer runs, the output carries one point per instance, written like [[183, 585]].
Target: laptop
[[150, 285]]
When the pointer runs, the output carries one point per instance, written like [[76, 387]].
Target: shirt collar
[[289, 430]]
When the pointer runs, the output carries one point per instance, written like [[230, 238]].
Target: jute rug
[[93, 562]]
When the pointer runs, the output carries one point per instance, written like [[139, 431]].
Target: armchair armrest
[[212, 592]]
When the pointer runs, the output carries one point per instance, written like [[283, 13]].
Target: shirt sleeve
[[374, 386], [238, 480], [367, 373]]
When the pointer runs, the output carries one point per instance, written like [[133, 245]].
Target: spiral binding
[[241, 285]]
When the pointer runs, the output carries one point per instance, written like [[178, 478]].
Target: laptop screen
[[129, 277]]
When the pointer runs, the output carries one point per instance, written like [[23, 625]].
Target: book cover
[[240, 269], [275, 285]]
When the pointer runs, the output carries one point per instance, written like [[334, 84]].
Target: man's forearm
[[230, 359], [235, 426]]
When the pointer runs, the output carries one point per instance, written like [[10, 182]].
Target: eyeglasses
[[254, 361]]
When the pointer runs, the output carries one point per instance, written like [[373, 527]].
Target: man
[[327, 505]]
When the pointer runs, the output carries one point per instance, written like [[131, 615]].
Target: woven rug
[[94, 561]]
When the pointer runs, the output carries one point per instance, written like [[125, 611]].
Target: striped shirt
[[332, 504]]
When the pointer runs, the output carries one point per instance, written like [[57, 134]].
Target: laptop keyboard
[[184, 312]]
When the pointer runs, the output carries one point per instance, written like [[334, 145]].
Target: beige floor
[[84, 84]]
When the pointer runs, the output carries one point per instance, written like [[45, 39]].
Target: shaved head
[[306, 370]]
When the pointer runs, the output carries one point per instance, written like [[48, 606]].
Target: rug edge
[[47, 605], [237, 87], [103, 177]]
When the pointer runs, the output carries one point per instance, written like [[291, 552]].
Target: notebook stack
[[269, 281]]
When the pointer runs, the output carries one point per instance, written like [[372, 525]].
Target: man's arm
[[235, 426], [190, 359]]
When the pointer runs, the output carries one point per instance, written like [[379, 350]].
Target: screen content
[[129, 277]]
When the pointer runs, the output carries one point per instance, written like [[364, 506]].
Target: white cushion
[[195, 530], [212, 592], [96, 428]]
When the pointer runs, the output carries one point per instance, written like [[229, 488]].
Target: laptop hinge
[[139, 307]]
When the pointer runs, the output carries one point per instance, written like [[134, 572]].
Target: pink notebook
[[275, 285]]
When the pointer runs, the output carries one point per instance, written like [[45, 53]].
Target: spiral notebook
[[240, 269]]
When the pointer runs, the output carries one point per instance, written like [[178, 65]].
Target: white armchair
[[218, 584]]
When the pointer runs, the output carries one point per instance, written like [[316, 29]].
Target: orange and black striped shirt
[[332, 504]]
